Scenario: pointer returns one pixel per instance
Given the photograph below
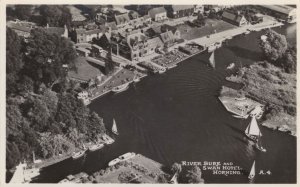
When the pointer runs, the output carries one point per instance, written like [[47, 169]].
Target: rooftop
[[232, 16], [182, 7], [157, 10], [122, 18], [280, 8]]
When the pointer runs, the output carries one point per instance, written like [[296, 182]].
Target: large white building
[[283, 12]]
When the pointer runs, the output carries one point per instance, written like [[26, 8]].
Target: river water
[[176, 116]]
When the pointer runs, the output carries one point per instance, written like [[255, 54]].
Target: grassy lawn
[[85, 71], [210, 27]]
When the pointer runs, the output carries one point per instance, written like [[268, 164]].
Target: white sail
[[253, 128], [212, 60], [252, 172], [114, 127]]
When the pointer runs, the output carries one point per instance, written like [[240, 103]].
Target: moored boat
[[230, 66], [96, 147], [79, 154], [161, 70], [120, 88]]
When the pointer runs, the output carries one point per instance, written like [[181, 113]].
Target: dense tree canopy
[[277, 51], [46, 55], [55, 15], [274, 46], [37, 118]]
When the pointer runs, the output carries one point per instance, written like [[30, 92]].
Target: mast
[[252, 171]]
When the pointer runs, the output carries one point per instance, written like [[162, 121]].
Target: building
[[21, 28], [82, 51], [283, 12], [179, 11], [60, 31], [136, 46], [158, 14], [235, 19], [198, 9], [168, 38], [175, 31], [83, 36], [122, 20]]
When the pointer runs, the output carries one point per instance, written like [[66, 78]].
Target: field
[[211, 26], [85, 71]]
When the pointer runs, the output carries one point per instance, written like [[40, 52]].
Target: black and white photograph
[[150, 93]]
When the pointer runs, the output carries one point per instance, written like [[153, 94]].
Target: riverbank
[[268, 84], [204, 41]]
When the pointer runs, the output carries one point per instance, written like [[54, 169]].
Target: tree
[[14, 62], [23, 12], [46, 55], [274, 46], [193, 175], [176, 168], [55, 15]]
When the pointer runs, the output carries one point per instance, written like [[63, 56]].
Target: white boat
[[230, 66], [252, 171], [114, 128], [212, 60], [174, 179], [161, 70], [114, 162], [96, 147], [218, 44], [79, 154], [211, 48], [120, 88], [64, 181], [247, 32], [126, 156], [259, 146], [252, 131], [137, 79]]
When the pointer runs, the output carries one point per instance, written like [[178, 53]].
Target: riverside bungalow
[[179, 11], [158, 14], [234, 19]]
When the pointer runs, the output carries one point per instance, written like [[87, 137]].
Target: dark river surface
[[176, 117]]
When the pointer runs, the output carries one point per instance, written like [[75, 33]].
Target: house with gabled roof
[[158, 14], [122, 20], [235, 19], [179, 11]]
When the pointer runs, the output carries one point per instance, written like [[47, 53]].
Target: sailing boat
[[212, 60], [114, 128], [252, 131], [252, 171]]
